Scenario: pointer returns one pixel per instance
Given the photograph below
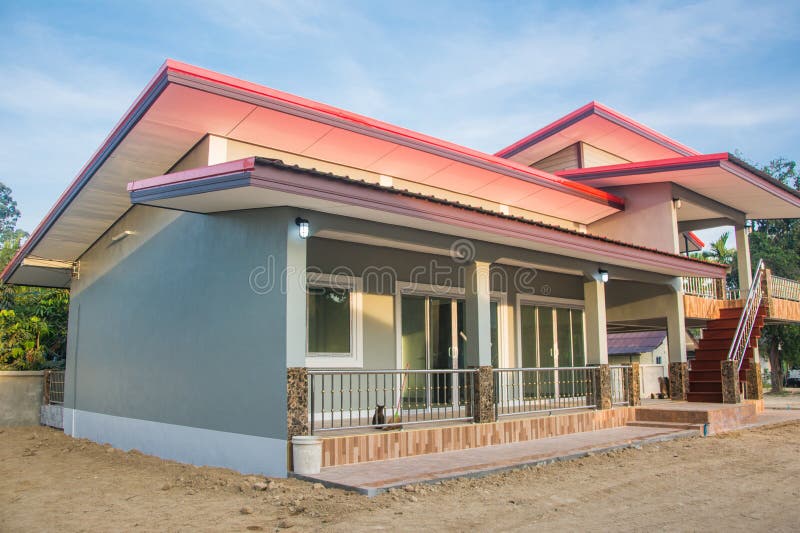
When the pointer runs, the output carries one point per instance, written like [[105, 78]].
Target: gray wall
[[20, 398], [165, 326]]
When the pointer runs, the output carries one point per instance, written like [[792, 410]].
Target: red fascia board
[[582, 112], [243, 85], [646, 166], [695, 239]]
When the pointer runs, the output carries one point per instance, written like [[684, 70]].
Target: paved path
[[378, 476]]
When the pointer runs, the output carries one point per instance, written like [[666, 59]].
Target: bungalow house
[[247, 265]]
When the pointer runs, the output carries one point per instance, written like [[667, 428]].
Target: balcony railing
[[777, 287], [702, 287]]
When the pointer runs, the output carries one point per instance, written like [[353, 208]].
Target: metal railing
[[741, 340], [350, 399], [620, 384], [702, 287], [534, 390], [785, 289], [54, 387]]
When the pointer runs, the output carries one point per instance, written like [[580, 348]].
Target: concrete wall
[[649, 218], [170, 349], [20, 398]]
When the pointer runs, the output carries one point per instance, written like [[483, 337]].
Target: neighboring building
[[228, 242], [643, 347]]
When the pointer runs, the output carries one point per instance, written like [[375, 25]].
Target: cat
[[379, 418]]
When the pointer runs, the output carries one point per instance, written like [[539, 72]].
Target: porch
[[373, 463]]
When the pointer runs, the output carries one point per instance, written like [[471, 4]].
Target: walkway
[[378, 476]]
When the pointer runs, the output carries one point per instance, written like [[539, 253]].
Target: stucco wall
[[20, 398], [649, 218], [166, 328]]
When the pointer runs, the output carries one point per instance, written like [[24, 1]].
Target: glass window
[[329, 320]]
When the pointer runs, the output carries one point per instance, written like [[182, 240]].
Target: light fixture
[[120, 236], [603, 275], [303, 225], [677, 202], [748, 227]]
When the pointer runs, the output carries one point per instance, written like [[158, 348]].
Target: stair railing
[[741, 339]]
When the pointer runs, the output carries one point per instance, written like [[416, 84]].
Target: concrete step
[[705, 375], [705, 386], [711, 397], [719, 333], [671, 425]]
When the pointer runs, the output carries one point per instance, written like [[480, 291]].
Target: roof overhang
[[721, 178], [599, 126], [256, 183], [183, 103]]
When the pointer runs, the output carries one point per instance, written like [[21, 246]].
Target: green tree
[[33, 320], [778, 243]]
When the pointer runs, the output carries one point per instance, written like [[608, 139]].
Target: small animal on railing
[[379, 418]]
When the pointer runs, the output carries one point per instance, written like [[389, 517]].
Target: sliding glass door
[[551, 337], [433, 338]]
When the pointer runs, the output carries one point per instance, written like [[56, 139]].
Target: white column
[[295, 287], [477, 308], [676, 323], [743, 260], [594, 296]]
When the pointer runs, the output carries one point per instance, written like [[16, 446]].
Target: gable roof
[[183, 103], [721, 177], [600, 126]]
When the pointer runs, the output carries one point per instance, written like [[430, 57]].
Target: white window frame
[[544, 301], [355, 359]]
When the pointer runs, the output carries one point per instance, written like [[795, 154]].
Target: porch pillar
[[743, 260], [594, 296], [601, 387], [676, 342], [477, 308], [293, 286], [730, 381], [755, 387], [634, 393]]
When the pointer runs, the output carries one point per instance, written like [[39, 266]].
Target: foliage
[[33, 320], [778, 243]]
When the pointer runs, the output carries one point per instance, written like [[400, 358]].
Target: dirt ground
[[748, 480]]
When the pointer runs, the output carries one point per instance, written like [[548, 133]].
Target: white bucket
[[306, 454]]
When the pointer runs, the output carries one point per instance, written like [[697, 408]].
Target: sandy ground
[[748, 480], [789, 398]]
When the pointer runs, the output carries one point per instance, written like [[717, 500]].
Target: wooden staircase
[[705, 377]]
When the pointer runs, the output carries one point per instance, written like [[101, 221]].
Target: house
[[247, 265], [643, 347]]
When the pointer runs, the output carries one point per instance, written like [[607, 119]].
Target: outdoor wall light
[[303, 225], [118, 237], [677, 202], [603, 275]]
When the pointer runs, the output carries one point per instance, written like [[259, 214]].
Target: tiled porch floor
[[378, 476]]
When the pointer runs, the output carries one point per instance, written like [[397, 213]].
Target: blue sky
[[718, 76]]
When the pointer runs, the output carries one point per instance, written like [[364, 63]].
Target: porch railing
[[620, 384], [349, 399], [785, 289], [533, 390]]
